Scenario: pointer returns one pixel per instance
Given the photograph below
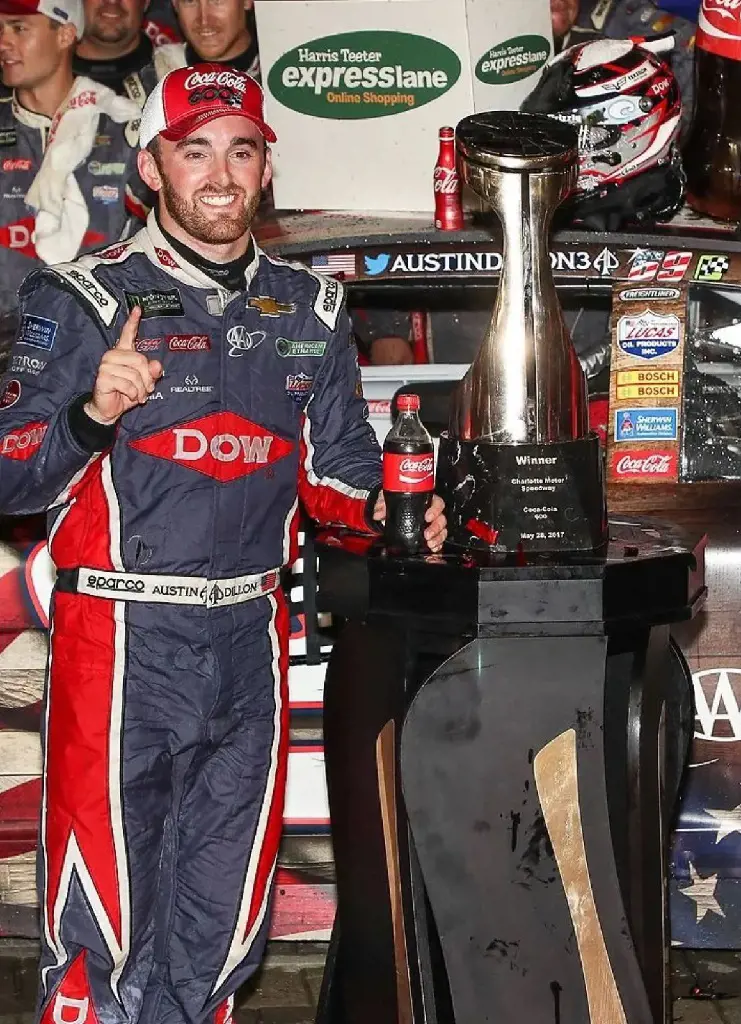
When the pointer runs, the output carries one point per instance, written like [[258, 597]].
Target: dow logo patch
[[222, 445]]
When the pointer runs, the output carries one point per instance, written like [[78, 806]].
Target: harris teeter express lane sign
[[357, 75], [513, 60]]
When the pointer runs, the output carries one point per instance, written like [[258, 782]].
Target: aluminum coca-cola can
[[447, 185]]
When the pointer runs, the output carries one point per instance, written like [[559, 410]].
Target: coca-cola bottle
[[447, 185], [408, 477], [712, 151]]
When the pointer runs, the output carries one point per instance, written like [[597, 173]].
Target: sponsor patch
[[89, 287], [10, 394], [240, 340], [29, 365], [712, 267], [188, 342], [646, 425], [328, 301], [154, 303], [222, 445], [644, 465], [106, 193], [268, 306], [23, 442], [335, 263], [114, 252], [38, 331], [649, 335], [289, 349], [8, 137], [165, 258], [191, 386], [649, 294], [106, 170], [298, 386], [16, 164], [148, 344]]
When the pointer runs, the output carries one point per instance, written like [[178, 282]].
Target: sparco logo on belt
[[224, 446], [114, 583], [644, 464], [719, 28]]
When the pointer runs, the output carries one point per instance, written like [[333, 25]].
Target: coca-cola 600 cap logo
[[719, 28], [645, 465]]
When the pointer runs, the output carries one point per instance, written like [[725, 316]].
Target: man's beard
[[225, 228]]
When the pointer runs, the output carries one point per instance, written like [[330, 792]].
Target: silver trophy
[[518, 467]]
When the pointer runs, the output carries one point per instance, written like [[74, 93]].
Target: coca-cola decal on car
[[648, 335], [719, 28], [408, 473], [644, 465]]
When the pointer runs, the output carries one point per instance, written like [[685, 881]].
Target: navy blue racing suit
[[166, 716]]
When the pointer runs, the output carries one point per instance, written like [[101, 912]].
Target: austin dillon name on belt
[[190, 590]]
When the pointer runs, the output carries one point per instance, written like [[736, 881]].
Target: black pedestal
[[503, 749]]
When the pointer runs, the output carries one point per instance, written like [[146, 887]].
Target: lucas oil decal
[[648, 335]]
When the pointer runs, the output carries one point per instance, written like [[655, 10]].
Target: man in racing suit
[[67, 149], [190, 392]]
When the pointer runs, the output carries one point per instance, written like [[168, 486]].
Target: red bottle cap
[[447, 133], [408, 403]]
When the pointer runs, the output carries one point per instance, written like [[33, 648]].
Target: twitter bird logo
[[377, 264]]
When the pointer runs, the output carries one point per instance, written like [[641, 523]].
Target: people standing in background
[[67, 149], [115, 50], [218, 31]]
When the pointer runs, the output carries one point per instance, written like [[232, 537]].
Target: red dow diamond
[[223, 445]]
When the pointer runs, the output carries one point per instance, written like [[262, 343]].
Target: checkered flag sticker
[[712, 267]]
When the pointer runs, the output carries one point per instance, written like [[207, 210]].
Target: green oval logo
[[363, 74], [513, 60]]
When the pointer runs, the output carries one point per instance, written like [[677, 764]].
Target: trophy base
[[523, 497]]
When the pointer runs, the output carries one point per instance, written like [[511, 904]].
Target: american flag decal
[[335, 263]]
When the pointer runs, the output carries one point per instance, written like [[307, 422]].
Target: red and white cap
[[66, 12], [189, 97]]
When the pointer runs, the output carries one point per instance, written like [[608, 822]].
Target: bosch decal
[[37, 331], [222, 445], [646, 424], [648, 335]]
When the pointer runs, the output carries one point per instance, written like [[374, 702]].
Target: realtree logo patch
[[513, 60], [363, 74], [222, 445]]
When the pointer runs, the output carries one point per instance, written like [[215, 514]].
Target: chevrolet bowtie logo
[[268, 306]]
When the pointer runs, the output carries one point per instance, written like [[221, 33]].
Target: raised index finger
[[129, 330]]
